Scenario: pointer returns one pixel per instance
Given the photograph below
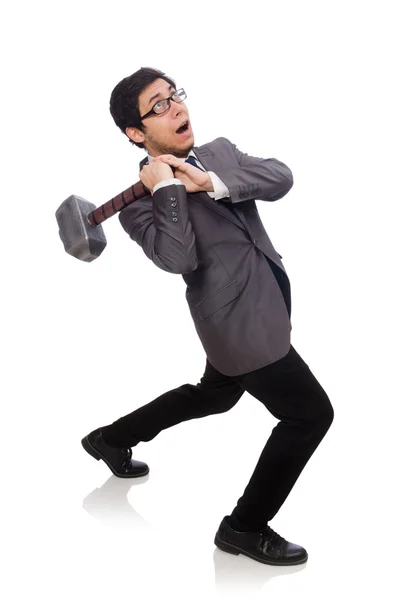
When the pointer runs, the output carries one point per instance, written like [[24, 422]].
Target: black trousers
[[289, 391]]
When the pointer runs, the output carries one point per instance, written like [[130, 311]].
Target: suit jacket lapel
[[206, 157]]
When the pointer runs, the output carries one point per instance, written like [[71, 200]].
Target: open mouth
[[183, 128]]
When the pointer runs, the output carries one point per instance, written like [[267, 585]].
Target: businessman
[[201, 221]]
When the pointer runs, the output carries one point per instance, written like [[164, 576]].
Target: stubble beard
[[168, 149]]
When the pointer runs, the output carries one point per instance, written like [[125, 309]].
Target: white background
[[309, 83]]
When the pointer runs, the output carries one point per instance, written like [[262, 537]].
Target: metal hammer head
[[79, 237]]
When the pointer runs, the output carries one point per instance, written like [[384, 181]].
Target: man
[[201, 221]]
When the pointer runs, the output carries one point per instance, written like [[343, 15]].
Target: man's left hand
[[194, 180]]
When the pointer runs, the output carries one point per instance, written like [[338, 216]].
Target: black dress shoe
[[118, 460], [264, 546]]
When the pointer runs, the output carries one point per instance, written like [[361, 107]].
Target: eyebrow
[[158, 94]]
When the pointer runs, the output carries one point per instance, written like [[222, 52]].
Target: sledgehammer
[[79, 221]]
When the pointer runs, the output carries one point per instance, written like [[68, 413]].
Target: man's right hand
[[155, 172]]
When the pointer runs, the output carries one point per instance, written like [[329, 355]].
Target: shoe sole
[[226, 547], [98, 456]]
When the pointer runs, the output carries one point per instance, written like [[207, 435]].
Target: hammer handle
[[110, 208]]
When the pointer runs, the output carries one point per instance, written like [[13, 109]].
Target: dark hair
[[124, 106]]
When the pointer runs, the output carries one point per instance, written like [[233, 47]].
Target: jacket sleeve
[[160, 225], [252, 178]]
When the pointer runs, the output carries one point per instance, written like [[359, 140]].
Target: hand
[[155, 172], [194, 180]]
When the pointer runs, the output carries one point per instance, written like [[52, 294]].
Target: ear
[[135, 135]]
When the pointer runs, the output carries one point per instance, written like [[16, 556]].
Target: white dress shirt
[[220, 190]]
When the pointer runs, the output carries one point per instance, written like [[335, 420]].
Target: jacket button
[[175, 219], [173, 203], [174, 214], [255, 241], [241, 196]]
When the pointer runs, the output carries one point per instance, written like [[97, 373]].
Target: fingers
[[155, 172], [171, 160]]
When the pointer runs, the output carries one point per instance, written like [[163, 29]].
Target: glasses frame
[[168, 101]]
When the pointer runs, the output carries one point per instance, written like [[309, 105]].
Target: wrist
[[165, 182], [208, 186]]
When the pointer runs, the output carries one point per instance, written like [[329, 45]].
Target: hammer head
[[79, 237]]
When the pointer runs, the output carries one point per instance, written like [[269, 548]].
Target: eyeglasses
[[163, 105]]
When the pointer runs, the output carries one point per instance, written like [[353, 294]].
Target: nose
[[176, 108]]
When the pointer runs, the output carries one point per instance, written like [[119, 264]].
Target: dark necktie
[[192, 161]]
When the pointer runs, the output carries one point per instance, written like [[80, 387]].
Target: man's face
[[160, 135]]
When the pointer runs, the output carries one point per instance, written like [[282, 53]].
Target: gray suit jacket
[[234, 299]]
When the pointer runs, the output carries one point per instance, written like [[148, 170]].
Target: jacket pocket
[[210, 305]]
